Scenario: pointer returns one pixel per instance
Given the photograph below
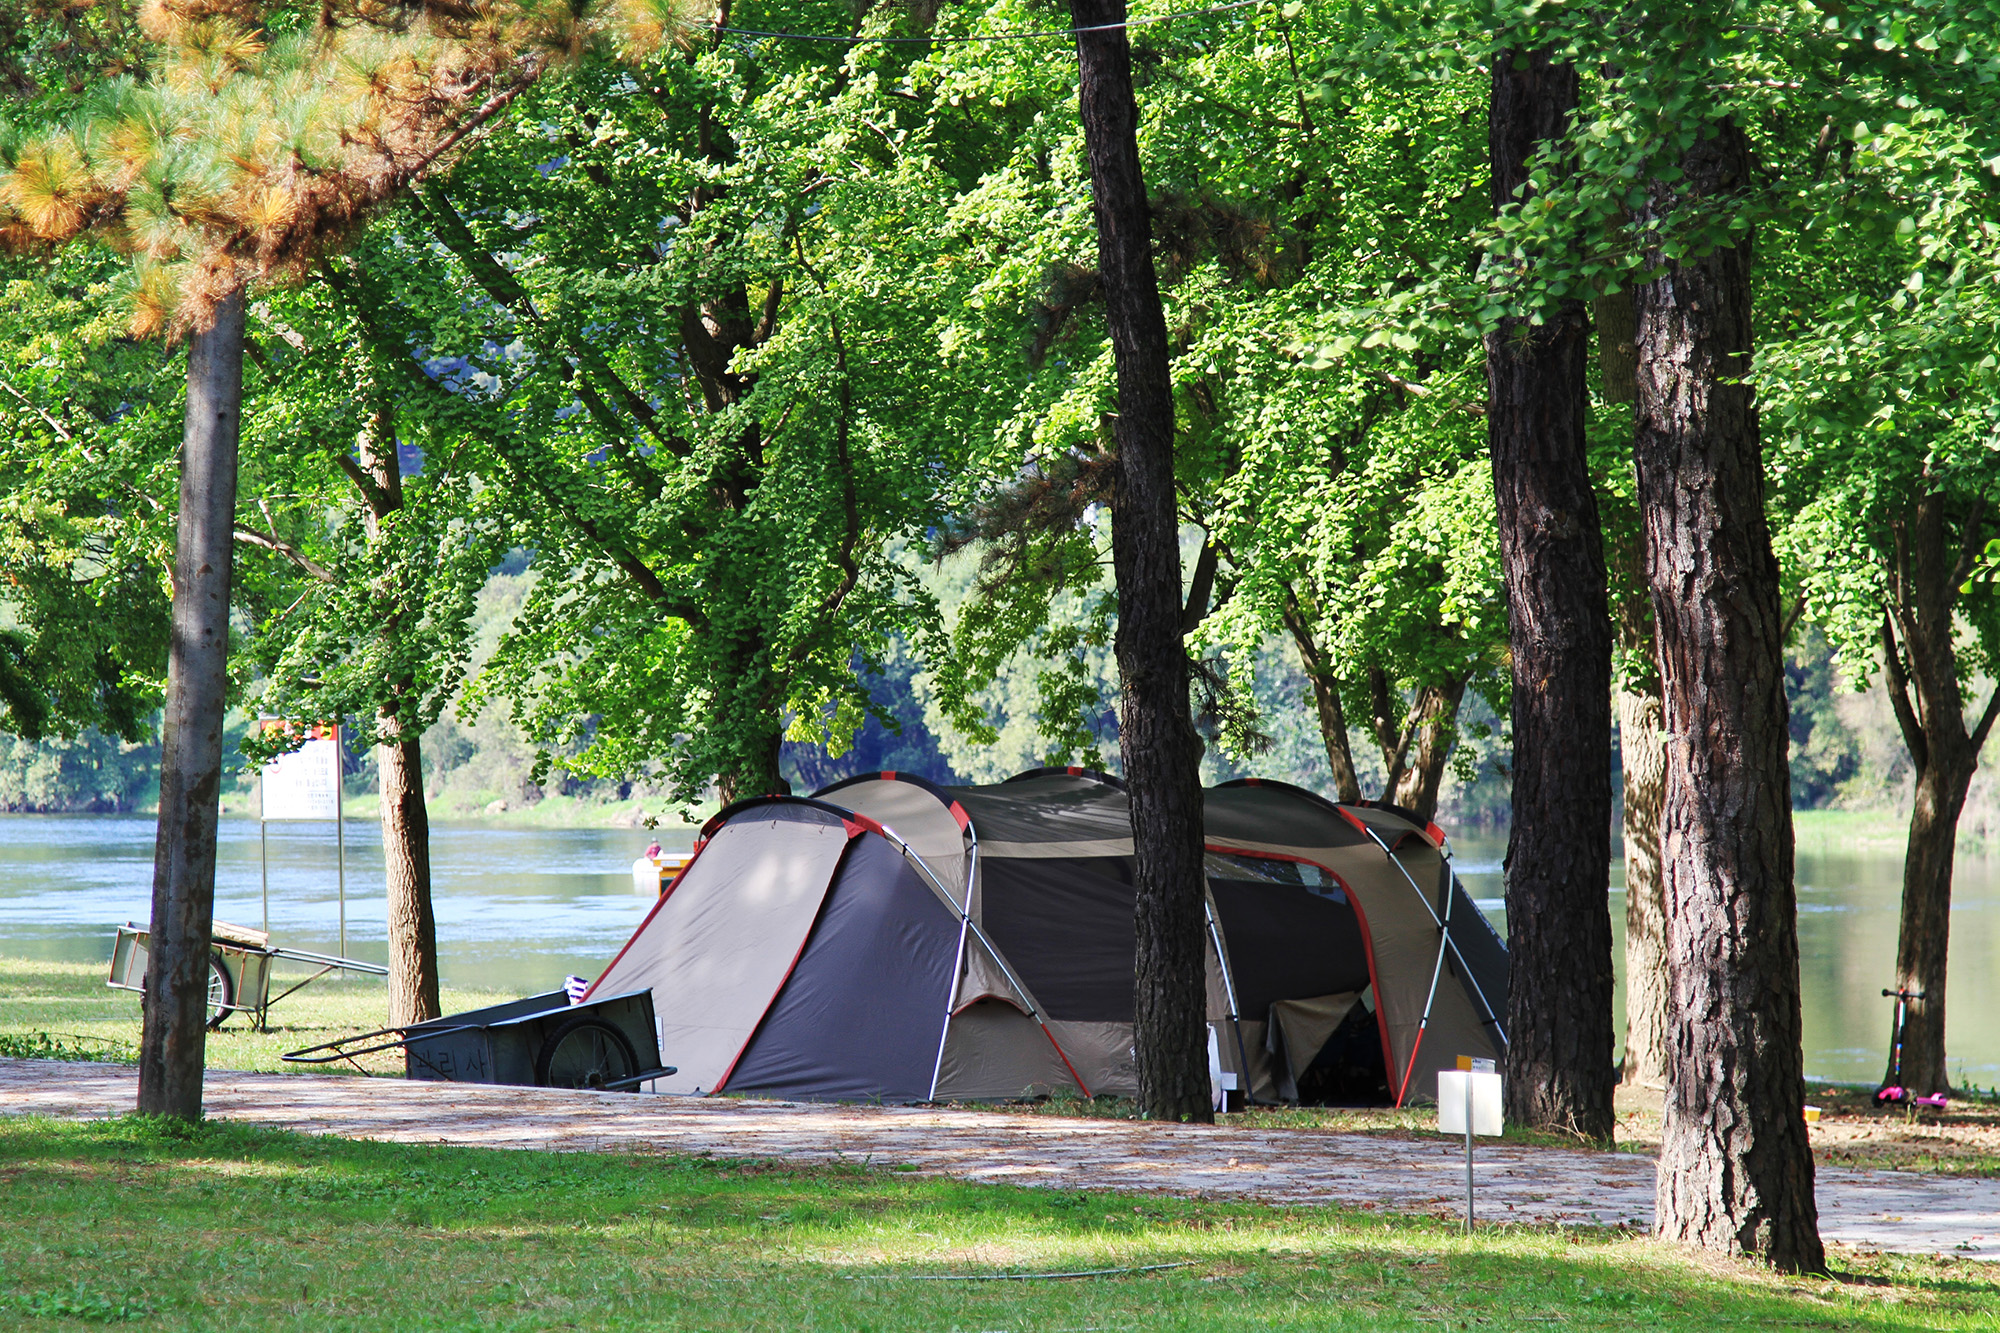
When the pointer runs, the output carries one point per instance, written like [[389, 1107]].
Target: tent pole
[[1423, 1024], [1408, 878], [1229, 990], [958, 960]]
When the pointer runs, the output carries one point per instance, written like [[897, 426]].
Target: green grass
[[65, 1011], [223, 1227]]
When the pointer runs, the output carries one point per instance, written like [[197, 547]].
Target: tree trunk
[[1326, 702], [1736, 1168], [1930, 564], [406, 825], [1643, 749], [406, 859], [1156, 732], [1640, 744], [1392, 729], [758, 774], [1559, 1029], [173, 1038], [1433, 730]]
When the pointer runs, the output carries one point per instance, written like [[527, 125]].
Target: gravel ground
[[1871, 1210]]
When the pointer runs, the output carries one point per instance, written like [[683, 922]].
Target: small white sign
[[305, 784], [1460, 1091]]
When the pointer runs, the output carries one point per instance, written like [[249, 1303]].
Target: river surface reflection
[[1848, 907], [520, 908]]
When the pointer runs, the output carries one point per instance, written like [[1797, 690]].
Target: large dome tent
[[891, 939]]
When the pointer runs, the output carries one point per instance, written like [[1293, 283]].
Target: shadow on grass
[[222, 1226]]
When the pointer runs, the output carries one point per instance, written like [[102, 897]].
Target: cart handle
[[310, 1055], [328, 960], [620, 1084]]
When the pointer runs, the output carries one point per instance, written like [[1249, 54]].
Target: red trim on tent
[[1435, 834], [958, 813], [1367, 937], [858, 824], [826, 895], [888, 775], [1063, 1056], [1348, 815]]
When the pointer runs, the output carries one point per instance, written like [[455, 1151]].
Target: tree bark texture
[[1640, 744], [175, 1027], [1332, 717], [1643, 749], [1156, 734], [1736, 1169], [1431, 736], [1932, 559], [406, 861], [1559, 1029], [406, 824]]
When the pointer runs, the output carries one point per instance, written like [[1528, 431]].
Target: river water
[[520, 908]]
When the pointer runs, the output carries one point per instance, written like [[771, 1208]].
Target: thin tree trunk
[[1326, 702], [1559, 1029], [174, 1035], [406, 859], [1433, 731], [406, 825], [1640, 744], [1393, 731], [1643, 749], [1736, 1168], [1156, 732], [1930, 564]]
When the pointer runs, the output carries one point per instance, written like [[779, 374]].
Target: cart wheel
[[585, 1052], [221, 992]]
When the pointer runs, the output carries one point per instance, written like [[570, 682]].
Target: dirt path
[[1877, 1210]]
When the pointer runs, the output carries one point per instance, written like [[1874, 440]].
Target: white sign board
[[1460, 1092], [304, 784]]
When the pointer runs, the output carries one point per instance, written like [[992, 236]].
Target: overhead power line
[[989, 37]]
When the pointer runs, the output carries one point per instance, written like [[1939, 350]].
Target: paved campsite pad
[[1877, 1210]]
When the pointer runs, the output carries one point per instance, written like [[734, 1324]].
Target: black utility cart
[[541, 1041]]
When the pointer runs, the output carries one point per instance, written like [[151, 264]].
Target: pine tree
[[261, 137]]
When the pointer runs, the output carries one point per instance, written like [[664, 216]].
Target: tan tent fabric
[[993, 1051], [1102, 1055], [1299, 1028], [716, 950]]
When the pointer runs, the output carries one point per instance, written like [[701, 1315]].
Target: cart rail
[[239, 969]]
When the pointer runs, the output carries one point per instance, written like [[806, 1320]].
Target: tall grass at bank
[[223, 1228]]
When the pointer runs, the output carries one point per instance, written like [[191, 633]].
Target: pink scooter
[[1893, 1093]]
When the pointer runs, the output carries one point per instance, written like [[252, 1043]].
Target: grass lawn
[[224, 1228], [68, 1003]]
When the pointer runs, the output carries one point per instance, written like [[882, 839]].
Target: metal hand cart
[[609, 1044], [239, 969]]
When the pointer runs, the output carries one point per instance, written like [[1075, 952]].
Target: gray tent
[[889, 939]]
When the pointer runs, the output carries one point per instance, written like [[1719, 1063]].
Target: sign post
[[299, 786], [1469, 1103]]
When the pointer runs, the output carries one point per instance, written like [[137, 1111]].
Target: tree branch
[[1899, 697], [1985, 727], [251, 536], [1792, 620], [1970, 547], [1199, 589]]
